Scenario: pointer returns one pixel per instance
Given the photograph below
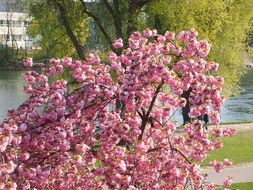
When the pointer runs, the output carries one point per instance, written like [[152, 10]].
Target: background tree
[[249, 41], [223, 23], [60, 27]]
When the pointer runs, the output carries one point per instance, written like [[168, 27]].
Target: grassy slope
[[243, 186], [239, 149]]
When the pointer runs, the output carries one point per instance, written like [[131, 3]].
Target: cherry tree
[[111, 126]]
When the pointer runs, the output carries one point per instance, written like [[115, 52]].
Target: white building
[[13, 25]]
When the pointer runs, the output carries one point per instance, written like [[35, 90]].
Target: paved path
[[240, 174], [239, 127]]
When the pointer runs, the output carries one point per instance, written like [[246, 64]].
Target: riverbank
[[12, 67], [18, 66]]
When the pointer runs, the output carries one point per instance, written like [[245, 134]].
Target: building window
[[25, 24], [6, 37], [3, 23], [16, 37], [15, 23]]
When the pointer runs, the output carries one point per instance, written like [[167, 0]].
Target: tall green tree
[[59, 26], [249, 40], [122, 14], [223, 22]]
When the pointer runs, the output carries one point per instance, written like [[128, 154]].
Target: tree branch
[[154, 149], [138, 4], [118, 19], [175, 149], [115, 13], [154, 98], [133, 12], [139, 113], [146, 118], [108, 6], [79, 48], [98, 22], [141, 3], [182, 155]]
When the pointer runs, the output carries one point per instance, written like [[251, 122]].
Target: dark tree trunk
[[115, 12], [118, 20], [79, 47], [158, 24], [133, 12], [186, 109], [99, 23]]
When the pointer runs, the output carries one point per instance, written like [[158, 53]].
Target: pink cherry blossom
[[118, 43], [22, 127], [227, 182], [112, 125], [147, 33], [28, 62], [169, 35], [227, 162]]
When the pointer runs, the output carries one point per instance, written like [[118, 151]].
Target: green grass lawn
[[242, 186], [239, 149]]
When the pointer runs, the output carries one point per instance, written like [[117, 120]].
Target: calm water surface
[[239, 108], [11, 91]]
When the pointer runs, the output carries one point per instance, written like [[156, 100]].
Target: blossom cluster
[[109, 125]]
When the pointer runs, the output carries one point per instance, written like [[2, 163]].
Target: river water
[[239, 108]]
